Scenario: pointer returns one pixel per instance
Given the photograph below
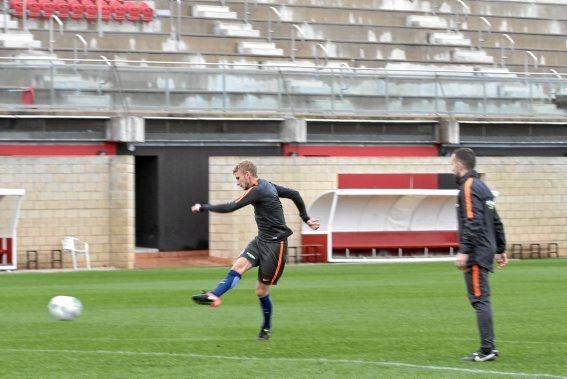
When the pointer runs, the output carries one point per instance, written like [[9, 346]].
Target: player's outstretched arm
[[248, 198]]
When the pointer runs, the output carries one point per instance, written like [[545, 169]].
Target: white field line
[[276, 359], [204, 339]]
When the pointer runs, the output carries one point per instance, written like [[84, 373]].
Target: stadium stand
[[402, 37], [371, 37]]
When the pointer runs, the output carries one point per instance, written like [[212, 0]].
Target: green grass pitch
[[330, 321]]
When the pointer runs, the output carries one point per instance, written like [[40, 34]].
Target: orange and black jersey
[[268, 211], [481, 232]]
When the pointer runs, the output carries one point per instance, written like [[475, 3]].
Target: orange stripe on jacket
[[244, 194], [468, 198], [476, 281], [280, 258]]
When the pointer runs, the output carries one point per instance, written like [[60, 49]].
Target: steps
[[235, 30], [37, 57], [258, 48], [430, 22], [449, 39], [213, 11], [471, 56], [12, 24], [19, 40]]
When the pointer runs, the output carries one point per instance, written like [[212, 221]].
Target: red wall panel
[[106, 148], [388, 181], [360, 151]]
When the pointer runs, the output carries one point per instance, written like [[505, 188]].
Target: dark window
[[212, 130], [323, 131], [63, 129]]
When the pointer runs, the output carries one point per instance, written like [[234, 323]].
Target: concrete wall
[[532, 201], [91, 198]]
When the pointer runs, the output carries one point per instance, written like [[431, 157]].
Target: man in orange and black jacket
[[481, 241]]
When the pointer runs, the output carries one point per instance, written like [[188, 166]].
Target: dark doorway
[[179, 177], [147, 201]]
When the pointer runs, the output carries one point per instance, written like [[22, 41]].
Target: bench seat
[[395, 239]]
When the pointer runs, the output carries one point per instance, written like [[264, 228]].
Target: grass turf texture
[[330, 321]]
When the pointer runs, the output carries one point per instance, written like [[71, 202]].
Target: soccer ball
[[65, 308]]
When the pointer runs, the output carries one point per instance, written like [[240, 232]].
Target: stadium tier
[[344, 56], [372, 34], [363, 57]]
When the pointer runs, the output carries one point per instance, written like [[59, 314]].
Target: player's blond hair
[[246, 166]]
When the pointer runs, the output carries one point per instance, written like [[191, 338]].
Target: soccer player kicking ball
[[268, 251]]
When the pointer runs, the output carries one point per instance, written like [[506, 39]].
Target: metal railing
[[99, 18], [247, 11], [185, 87], [271, 31], [512, 44], [51, 37], [325, 51], [466, 10], [488, 29], [81, 39], [295, 29], [6, 15], [528, 54], [25, 15], [175, 28]]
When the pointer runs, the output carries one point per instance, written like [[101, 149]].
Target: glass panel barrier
[[184, 87]]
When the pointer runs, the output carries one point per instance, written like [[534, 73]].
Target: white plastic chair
[[75, 246]]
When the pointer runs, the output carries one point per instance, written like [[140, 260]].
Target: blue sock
[[228, 283], [266, 304]]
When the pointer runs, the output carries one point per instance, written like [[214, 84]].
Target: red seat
[[118, 11], [91, 11], [147, 14], [106, 11], [62, 8], [14, 3], [132, 11], [77, 11], [48, 8], [17, 7], [34, 9]]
